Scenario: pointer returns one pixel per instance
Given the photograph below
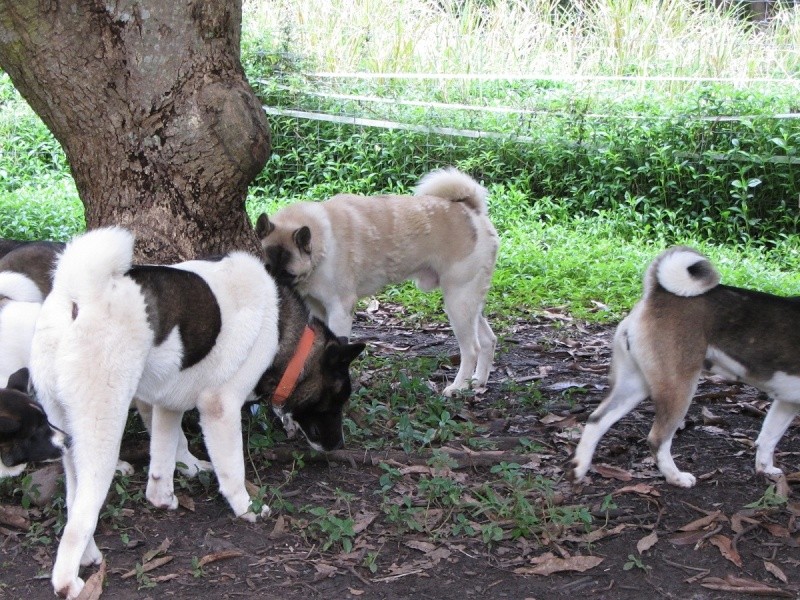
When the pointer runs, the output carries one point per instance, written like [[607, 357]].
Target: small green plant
[[770, 499], [28, 491], [117, 506], [329, 528], [635, 562], [143, 580], [370, 561], [196, 568], [37, 534]]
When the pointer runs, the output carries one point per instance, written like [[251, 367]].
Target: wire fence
[[530, 109]]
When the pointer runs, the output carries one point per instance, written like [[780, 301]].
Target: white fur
[[673, 274], [88, 370], [17, 286], [452, 183]]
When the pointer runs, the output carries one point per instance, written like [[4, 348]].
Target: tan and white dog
[[348, 247], [687, 322]]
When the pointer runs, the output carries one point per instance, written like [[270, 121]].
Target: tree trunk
[[148, 98]]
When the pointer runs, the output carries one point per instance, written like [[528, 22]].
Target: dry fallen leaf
[[775, 570], [610, 472], [93, 588], [279, 530], [550, 418], [726, 549], [643, 489], [14, 516], [148, 566], [185, 501], [363, 520], [647, 542], [162, 547], [779, 531], [742, 585], [704, 522], [710, 418], [739, 519], [601, 533], [215, 556], [324, 571], [556, 565], [420, 545]]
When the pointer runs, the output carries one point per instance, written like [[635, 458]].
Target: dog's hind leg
[[777, 421], [93, 458], [671, 399], [488, 341], [628, 390], [464, 313], [221, 421], [166, 429]]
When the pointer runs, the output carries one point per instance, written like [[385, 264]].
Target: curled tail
[[451, 184], [681, 271], [90, 261]]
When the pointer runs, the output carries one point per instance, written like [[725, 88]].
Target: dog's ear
[[264, 226], [302, 237], [19, 380], [343, 354], [9, 425]]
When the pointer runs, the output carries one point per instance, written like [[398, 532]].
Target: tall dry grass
[[533, 37]]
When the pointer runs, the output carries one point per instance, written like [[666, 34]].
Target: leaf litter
[[402, 537]]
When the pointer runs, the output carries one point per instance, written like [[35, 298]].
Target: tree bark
[[148, 98]]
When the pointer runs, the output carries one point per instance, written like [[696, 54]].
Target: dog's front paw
[[92, 554], [454, 388], [252, 516], [69, 588], [577, 471], [124, 468], [769, 470], [681, 479], [161, 495]]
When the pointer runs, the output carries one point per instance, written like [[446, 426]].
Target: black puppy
[[25, 433]]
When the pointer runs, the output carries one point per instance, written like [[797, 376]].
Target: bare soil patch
[[645, 537]]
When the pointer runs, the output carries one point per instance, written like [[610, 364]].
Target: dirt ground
[[645, 538]]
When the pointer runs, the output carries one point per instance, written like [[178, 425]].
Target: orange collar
[[292, 373]]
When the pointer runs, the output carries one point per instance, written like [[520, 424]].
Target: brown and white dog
[[348, 247], [687, 322], [25, 433]]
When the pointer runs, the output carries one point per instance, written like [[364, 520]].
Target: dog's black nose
[[67, 441]]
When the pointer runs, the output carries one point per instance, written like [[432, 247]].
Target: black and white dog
[[200, 334], [26, 269], [25, 433], [687, 322]]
